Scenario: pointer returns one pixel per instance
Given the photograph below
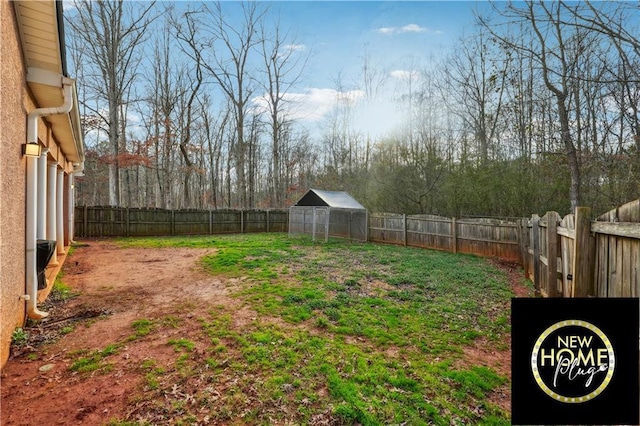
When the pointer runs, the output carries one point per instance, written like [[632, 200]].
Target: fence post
[[242, 221], [404, 229], [552, 254], [267, 220], [522, 242], [210, 222], [366, 225], [85, 221], [126, 222], [313, 227], [535, 221], [327, 216], [454, 235], [173, 222], [582, 283]]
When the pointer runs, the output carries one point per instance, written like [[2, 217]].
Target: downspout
[[59, 214], [78, 170], [41, 229], [32, 197], [70, 208], [51, 207]]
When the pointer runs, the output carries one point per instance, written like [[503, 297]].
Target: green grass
[[67, 329], [142, 327], [116, 422], [19, 337], [370, 333], [88, 361], [95, 360], [182, 344], [152, 374], [62, 291]]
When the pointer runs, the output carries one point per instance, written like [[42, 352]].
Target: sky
[[396, 34], [399, 38]]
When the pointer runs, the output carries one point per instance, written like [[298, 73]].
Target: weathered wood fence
[[485, 237], [577, 257], [564, 257], [107, 221]]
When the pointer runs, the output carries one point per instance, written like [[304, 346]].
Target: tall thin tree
[[113, 32]]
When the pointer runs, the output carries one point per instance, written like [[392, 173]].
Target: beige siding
[[12, 179]]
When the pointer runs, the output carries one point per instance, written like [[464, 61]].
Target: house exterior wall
[[16, 102], [13, 124]]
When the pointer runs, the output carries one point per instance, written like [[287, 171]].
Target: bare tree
[[283, 66], [475, 79], [226, 52], [550, 50], [342, 143], [112, 31], [161, 105], [373, 76], [186, 34], [619, 23], [215, 128]]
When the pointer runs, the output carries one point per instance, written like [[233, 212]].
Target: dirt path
[[124, 285]]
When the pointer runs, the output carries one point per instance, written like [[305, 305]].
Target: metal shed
[[324, 214]]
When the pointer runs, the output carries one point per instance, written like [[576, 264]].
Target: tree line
[[535, 110]]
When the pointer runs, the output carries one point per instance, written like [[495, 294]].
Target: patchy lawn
[[266, 329]]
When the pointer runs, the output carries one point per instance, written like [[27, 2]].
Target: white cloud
[[404, 74], [412, 28], [312, 104], [409, 28], [386, 30], [295, 47], [132, 118]]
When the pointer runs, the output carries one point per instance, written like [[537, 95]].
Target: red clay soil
[[121, 286]]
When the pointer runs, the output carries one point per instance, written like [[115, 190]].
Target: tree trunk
[[572, 155], [114, 130]]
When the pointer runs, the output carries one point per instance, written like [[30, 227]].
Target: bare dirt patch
[[515, 277], [484, 353], [117, 286]]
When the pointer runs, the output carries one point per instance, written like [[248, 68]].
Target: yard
[[266, 329]]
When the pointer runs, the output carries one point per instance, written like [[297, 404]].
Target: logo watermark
[[573, 361]]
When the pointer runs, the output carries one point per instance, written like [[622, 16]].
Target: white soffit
[[38, 23], [38, 26]]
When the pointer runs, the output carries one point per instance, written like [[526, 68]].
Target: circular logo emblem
[[573, 361]]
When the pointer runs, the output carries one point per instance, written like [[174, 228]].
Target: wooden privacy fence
[[577, 257], [135, 222], [485, 237], [564, 257]]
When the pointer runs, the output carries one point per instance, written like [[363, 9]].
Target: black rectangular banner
[[575, 361]]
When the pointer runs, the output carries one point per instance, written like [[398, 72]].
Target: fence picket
[[552, 254]]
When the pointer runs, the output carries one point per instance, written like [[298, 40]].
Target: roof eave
[[42, 41]]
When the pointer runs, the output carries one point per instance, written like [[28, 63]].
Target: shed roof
[[334, 199]]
